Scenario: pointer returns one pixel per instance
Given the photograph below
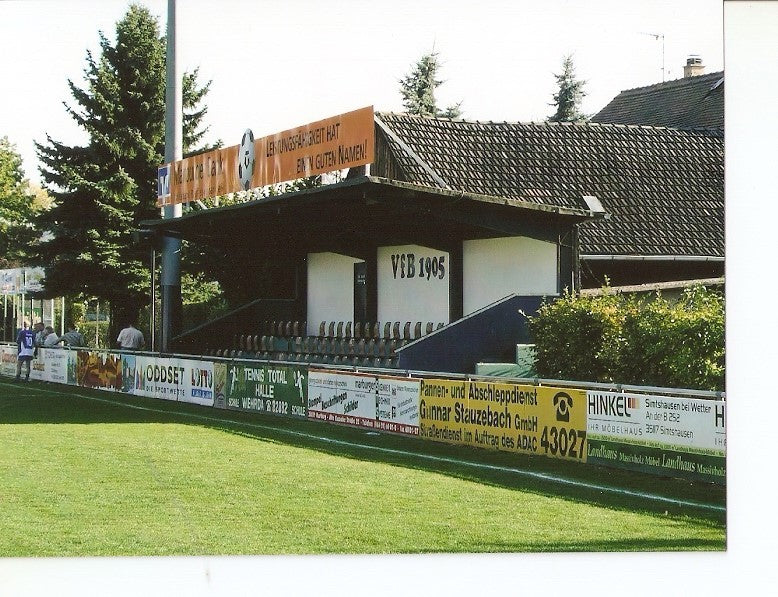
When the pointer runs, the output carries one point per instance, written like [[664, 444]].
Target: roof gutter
[[365, 182], [652, 258]]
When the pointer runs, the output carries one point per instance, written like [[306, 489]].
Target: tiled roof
[[663, 188], [684, 103]]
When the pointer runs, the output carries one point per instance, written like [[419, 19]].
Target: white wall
[[409, 290], [330, 289], [496, 267]]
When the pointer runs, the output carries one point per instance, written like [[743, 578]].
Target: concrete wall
[[330, 289], [496, 267]]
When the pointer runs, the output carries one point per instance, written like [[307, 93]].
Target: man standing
[[130, 338], [25, 344], [72, 337], [39, 335]]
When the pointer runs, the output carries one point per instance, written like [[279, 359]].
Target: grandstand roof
[[355, 215]]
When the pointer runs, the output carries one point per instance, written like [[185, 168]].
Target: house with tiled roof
[[695, 101], [661, 189]]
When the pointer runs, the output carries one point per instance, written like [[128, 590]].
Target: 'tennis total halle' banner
[[528, 419], [264, 387]]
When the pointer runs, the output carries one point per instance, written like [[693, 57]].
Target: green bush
[[578, 337], [87, 329], [613, 338], [677, 344]]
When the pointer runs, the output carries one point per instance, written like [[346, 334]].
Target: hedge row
[[615, 338]]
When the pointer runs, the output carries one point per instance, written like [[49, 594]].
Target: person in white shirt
[[130, 338], [50, 339]]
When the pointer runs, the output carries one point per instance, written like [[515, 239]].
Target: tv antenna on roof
[[658, 36]]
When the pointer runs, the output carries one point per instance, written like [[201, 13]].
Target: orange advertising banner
[[335, 143]]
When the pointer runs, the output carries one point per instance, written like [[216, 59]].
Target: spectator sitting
[[50, 339], [72, 337]]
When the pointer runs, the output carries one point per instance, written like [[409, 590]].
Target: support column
[[567, 260], [153, 304], [371, 284], [171, 251], [456, 291]]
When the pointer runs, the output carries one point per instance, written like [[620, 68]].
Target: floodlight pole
[[171, 256]]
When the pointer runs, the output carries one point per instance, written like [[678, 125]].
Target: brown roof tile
[[683, 103], [663, 187]]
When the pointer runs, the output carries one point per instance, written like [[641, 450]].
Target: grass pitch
[[87, 473]]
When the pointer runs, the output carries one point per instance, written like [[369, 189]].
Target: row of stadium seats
[[332, 329], [328, 359], [313, 345], [337, 343]]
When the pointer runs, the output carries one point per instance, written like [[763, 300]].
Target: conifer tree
[[418, 89], [568, 99], [17, 206], [103, 189]]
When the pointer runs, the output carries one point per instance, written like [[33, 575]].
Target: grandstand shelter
[[457, 228]]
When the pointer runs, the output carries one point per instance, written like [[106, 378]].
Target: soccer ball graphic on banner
[[246, 160]]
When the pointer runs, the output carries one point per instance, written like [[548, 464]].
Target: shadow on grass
[[39, 403], [612, 546]]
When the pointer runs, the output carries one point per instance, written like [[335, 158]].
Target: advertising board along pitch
[[343, 141]]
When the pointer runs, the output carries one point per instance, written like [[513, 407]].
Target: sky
[[277, 64]]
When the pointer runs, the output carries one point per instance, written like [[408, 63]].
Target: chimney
[[694, 66]]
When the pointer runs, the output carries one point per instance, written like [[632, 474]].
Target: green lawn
[[85, 473]]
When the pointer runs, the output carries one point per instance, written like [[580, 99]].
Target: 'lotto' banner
[[528, 419], [660, 434], [265, 387], [183, 380]]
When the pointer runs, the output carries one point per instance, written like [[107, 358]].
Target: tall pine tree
[[101, 190], [418, 87], [568, 98], [17, 206]]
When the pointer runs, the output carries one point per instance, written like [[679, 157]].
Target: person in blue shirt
[[25, 344]]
